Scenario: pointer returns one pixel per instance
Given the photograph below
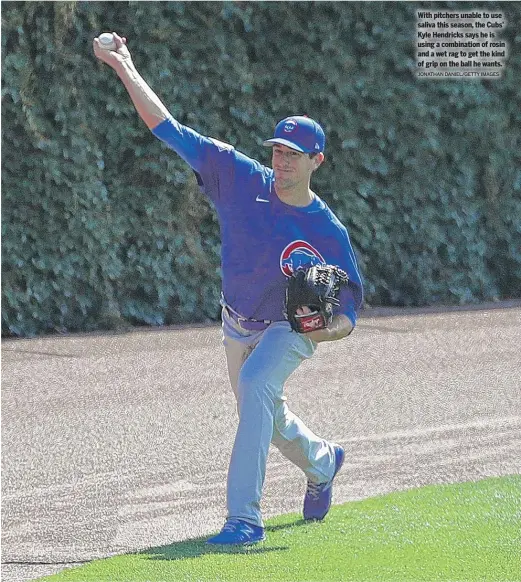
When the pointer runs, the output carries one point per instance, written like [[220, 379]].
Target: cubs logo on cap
[[290, 126], [300, 133]]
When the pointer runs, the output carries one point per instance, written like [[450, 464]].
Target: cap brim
[[285, 142]]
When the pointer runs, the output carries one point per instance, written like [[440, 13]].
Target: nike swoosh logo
[[260, 200]]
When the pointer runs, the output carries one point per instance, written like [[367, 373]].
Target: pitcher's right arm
[[214, 162], [188, 144], [148, 105]]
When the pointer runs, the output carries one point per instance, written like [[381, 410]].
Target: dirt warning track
[[119, 442]]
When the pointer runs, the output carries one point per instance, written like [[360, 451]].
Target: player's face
[[291, 168]]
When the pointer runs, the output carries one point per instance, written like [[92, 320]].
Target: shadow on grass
[[196, 547]]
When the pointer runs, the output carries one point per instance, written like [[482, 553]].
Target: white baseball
[[107, 42]]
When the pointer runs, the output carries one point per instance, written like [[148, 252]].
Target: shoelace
[[314, 489], [230, 526]]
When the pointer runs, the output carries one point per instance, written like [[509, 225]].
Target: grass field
[[463, 532]]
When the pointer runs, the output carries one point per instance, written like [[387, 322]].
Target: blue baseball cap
[[300, 133]]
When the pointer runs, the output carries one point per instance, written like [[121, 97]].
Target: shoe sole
[[236, 543]]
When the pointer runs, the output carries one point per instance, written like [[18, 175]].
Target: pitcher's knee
[[279, 419], [252, 382], [250, 374], [285, 423], [255, 382]]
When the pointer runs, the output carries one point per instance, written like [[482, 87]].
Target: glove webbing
[[324, 278]]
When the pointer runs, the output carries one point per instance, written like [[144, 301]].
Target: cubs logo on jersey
[[297, 254]]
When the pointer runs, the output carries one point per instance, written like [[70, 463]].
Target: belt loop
[[240, 319]]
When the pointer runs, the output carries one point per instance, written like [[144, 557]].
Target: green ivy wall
[[102, 226]]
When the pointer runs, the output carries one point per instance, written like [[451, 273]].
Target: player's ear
[[317, 160]]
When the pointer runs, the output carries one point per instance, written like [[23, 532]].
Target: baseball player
[[272, 224]]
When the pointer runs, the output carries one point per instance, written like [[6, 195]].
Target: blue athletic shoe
[[318, 495], [238, 532]]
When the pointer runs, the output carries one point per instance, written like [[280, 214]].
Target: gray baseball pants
[[259, 363]]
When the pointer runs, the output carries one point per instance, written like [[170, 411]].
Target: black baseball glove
[[315, 287]]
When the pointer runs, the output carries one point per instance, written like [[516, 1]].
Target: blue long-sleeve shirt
[[263, 239]]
